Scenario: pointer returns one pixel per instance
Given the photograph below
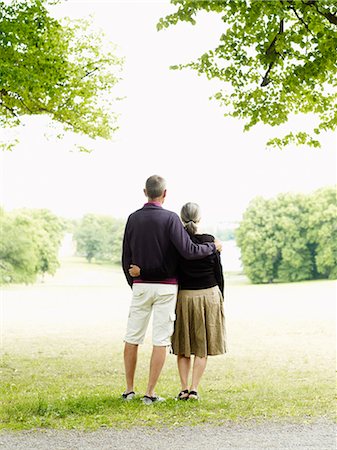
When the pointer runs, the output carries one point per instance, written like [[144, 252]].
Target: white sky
[[168, 126]]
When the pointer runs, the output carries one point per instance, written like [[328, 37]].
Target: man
[[154, 237]]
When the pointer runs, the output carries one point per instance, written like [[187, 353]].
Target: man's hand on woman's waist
[[218, 245], [134, 270]]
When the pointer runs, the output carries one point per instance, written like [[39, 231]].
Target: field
[[62, 367]]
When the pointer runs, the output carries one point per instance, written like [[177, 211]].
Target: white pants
[[148, 297]]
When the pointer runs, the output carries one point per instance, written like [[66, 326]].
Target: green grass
[[81, 389], [280, 365]]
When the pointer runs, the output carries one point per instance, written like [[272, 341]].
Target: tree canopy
[[292, 237], [100, 238], [59, 68], [29, 244], [275, 58]]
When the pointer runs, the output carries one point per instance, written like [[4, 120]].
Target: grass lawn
[[62, 367]]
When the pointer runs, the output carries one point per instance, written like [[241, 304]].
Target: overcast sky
[[168, 126]]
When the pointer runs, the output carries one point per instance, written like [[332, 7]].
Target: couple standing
[[161, 254]]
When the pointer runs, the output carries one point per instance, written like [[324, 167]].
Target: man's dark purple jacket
[[154, 238]]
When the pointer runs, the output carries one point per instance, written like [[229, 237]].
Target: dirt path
[[271, 436]]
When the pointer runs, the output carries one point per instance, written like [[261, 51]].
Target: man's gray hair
[[155, 186], [190, 215]]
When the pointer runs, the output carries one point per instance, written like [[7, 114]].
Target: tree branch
[[266, 80], [271, 52], [11, 110], [25, 106], [53, 113], [89, 73], [300, 19], [332, 18], [15, 95]]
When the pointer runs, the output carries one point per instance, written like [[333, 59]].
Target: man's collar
[[153, 204]]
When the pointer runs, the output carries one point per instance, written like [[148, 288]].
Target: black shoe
[[128, 396], [183, 395], [193, 395], [147, 400]]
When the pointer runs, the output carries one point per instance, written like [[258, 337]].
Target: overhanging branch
[[301, 19], [271, 52], [332, 18], [11, 110]]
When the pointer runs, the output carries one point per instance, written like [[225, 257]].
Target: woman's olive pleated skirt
[[200, 323]]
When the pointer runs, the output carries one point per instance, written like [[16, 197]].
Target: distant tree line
[[29, 244], [99, 238], [30, 240], [290, 238]]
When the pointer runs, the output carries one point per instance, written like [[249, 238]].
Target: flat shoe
[[128, 396], [193, 395], [147, 400], [183, 395]]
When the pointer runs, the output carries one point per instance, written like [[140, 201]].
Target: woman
[[200, 323]]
